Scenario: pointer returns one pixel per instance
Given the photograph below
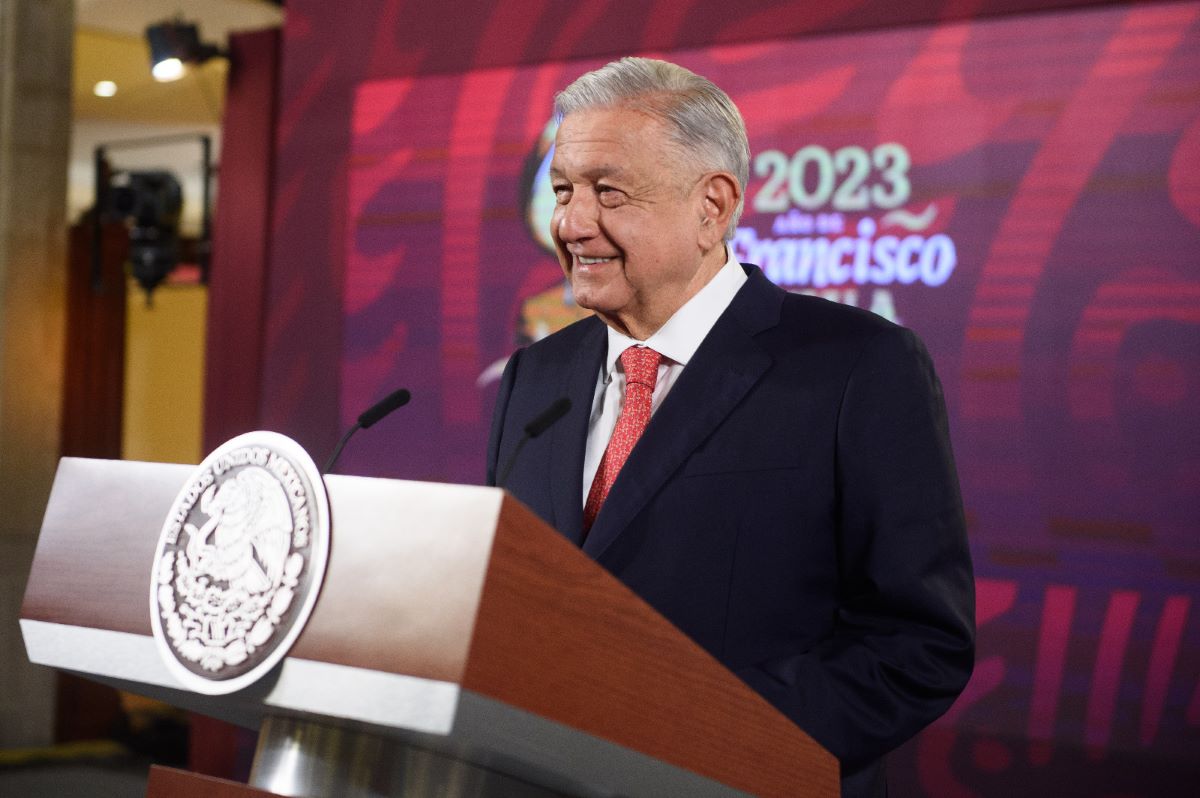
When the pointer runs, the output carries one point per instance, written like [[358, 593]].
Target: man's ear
[[719, 198]]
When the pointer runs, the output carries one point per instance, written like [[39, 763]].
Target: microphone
[[540, 423], [369, 418], [378, 411]]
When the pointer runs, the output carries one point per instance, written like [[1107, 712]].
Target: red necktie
[[641, 373]]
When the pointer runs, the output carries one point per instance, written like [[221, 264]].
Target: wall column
[[36, 40]]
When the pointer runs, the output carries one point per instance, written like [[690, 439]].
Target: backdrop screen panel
[[1022, 192]]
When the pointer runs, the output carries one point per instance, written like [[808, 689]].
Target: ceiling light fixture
[[174, 45], [104, 88]]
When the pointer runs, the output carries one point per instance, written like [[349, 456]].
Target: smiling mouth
[[591, 261]]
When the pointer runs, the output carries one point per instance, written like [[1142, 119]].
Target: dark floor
[[73, 781], [98, 769]]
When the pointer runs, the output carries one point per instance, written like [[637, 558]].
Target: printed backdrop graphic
[[1023, 192]]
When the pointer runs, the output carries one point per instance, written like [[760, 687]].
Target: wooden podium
[[459, 646]]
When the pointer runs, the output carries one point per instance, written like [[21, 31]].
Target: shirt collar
[[681, 336]]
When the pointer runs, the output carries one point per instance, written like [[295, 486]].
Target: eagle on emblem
[[246, 539]]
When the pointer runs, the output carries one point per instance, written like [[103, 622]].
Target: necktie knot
[[641, 365]]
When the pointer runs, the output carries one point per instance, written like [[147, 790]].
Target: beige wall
[[164, 374]]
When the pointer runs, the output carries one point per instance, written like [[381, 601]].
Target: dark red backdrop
[[1060, 155]]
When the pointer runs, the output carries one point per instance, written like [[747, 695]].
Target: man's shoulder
[[810, 315], [818, 311], [844, 334], [807, 321]]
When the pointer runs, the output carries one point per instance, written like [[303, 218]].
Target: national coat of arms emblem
[[239, 562]]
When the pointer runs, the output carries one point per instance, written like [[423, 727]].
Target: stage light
[[151, 204], [167, 70], [174, 45], [104, 88]]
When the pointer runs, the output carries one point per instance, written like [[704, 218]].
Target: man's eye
[[562, 194], [608, 195]]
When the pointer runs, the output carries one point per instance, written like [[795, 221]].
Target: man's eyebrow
[[595, 173]]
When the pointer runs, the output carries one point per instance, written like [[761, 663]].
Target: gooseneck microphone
[[369, 417], [540, 423]]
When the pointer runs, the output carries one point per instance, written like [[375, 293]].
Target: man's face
[[628, 219]]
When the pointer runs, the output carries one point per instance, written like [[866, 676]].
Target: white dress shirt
[[677, 341]]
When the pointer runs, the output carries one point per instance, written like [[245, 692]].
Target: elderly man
[[771, 472]]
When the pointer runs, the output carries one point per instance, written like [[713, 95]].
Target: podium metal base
[[306, 759]]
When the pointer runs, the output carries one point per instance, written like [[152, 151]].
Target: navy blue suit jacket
[[792, 506]]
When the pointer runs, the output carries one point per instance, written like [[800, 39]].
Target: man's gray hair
[[700, 117]]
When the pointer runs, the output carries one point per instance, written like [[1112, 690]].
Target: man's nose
[[577, 219]]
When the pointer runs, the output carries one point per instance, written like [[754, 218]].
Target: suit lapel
[[569, 436], [724, 369]]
